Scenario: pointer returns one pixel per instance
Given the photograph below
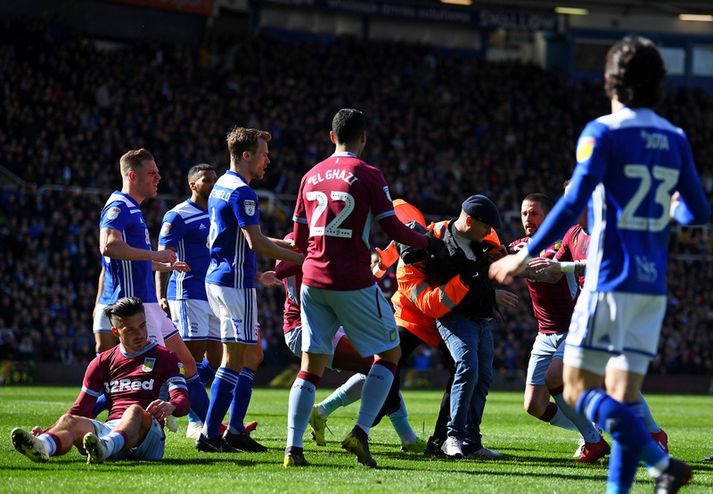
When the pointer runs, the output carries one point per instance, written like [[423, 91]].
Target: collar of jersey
[[140, 352], [345, 153], [129, 198], [231, 172], [195, 205]]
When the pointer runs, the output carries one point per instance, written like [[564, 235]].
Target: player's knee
[[571, 395], [534, 408], [253, 357], [67, 420]]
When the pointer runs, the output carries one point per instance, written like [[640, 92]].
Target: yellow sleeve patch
[[585, 146]]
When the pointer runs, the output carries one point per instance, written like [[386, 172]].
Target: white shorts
[[236, 308], [101, 323], [366, 316], [623, 327], [195, 320], [160, 327], [294, 342]]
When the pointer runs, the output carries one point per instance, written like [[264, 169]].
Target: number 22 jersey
[[339, 199]]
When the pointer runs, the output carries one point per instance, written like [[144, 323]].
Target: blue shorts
[[151, 448], [366, 316], [546, 347]]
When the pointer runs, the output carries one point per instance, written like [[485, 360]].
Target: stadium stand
[[443, 126]]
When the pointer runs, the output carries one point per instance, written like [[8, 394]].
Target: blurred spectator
[[442, 126]]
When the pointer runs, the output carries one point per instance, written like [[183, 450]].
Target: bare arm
[[162, 283], [111, 244], [285, 244], [266, 247]]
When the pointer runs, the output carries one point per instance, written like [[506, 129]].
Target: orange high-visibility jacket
[[417, 304]]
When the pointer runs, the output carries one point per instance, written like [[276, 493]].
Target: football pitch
[[538, 456]]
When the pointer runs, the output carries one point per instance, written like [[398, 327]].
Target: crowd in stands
[[442, 126]]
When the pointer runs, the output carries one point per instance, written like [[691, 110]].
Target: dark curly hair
[[635, 72]]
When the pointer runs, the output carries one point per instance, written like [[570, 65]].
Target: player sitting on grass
[[130, 375]]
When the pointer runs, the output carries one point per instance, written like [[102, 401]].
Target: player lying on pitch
[[130, 375]]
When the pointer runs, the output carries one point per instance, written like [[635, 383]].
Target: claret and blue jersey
[[232, 205], [185, 229], [129, 278], [629, 163]]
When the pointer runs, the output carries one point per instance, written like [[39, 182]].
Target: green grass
[[538, 455]]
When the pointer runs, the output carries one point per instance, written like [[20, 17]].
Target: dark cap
[[482, 209]]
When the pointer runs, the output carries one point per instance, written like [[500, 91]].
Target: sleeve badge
[[113, 213], [250, 207], [585, 147]]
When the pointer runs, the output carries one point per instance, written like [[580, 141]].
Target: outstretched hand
[[502, 270], [268, 279]]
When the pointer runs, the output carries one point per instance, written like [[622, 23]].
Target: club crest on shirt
[[249, 207], [113, 213], [149, 363], [165, 229]]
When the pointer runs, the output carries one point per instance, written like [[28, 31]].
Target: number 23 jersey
[[638, 159], [339, 199]]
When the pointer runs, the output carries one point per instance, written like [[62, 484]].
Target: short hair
[[132, 160], [348, 124], [543, 199], [241, 139], [635, 72], [196, 169], [123, 308]]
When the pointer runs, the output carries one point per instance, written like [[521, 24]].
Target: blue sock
[[199, 397], [649, 423], [241, 400], [300, 408], [193, 418], [115, 442], [621, 479], [101, 405], [206, 371], [399, 419], [221, 395], [344, 395], [624, 427], [376, 388]]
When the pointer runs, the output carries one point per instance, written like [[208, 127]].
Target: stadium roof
[[628, 7]]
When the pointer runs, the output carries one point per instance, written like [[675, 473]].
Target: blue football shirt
[[232, 205], [130, 278], [629, 163], [185, 229]]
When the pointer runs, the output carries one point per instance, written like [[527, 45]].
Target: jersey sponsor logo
[[149, 363], [165, 229], [113, 213], [585, 147], [249, 206], [646, 271], [120, 385]]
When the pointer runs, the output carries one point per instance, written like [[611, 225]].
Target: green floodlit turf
[[538, 455]]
